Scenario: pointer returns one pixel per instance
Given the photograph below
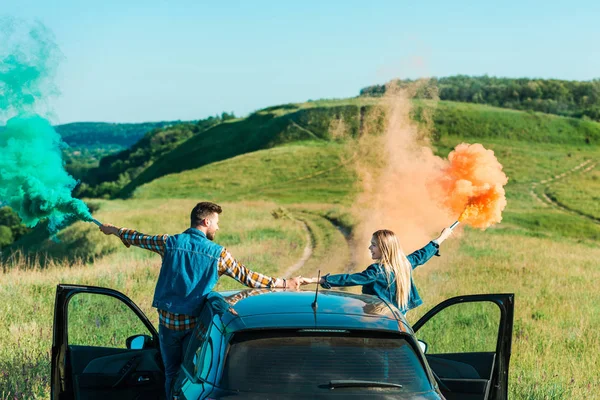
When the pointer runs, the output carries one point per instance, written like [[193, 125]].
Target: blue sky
[[133, 61]]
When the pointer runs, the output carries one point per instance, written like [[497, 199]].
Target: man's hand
[[109, 229]]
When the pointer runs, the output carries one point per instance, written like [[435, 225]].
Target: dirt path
[[547, 201], [306, 254], [309, 248], [349, 241]]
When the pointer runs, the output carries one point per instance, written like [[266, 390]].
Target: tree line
[[577, 99]]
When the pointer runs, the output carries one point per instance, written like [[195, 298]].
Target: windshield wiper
[[338, 383]]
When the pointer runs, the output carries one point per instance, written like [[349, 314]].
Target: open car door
[[467, 343], [103, 347]]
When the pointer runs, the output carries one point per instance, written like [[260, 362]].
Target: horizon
[[309, 100], [152, 61]]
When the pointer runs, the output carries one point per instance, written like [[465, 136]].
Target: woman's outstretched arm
[[360, 278], [423, 255]]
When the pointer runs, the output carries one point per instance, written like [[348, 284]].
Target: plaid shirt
[[227, 266]]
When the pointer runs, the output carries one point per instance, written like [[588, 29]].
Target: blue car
[[277, 344]]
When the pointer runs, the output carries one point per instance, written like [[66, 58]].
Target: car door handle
[[143, 378], [127, 370]]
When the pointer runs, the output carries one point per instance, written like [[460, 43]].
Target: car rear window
[[308, 361]]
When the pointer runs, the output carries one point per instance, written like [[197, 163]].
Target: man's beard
[[211, 235]]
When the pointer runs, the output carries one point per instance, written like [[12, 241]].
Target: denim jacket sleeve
[[423, 255], [361, 278]]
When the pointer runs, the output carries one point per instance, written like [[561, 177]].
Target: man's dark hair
[[203, 210]]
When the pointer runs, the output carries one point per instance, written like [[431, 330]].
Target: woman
[[390, 278]]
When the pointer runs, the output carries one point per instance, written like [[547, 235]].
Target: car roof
[[272, 308]]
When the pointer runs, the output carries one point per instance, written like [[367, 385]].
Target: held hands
[[308, 281], [295, 283]]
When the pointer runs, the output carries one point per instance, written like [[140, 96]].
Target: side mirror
[[138, 342], [423, 345]]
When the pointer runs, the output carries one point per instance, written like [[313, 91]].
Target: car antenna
[[314, 303]]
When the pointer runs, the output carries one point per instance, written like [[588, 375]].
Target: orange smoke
[[396, 165], [473, 185]]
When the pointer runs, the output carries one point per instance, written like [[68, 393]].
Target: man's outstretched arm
[[231, 267], [130, 237]]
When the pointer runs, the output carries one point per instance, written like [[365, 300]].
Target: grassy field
[[279, 200], [249, 231], [555, 340]]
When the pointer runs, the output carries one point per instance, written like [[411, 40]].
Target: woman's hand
[[307, 281], [445, 234]]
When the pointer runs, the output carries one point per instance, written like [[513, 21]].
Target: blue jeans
[[173, 345]]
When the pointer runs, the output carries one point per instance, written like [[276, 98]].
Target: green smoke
[[33, 180]]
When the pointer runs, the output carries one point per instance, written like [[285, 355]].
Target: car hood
[[376, 394]]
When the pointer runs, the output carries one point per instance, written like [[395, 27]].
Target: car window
[[100, 320], [293, 362], [206, 339], [203, 360], [462, 328]]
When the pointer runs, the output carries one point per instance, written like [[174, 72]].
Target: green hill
[[317, 120], [531, 146], [264, 129]]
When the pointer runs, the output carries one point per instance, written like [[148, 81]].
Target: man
[[191, 265]]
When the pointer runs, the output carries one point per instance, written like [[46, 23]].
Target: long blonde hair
[[395, 264]]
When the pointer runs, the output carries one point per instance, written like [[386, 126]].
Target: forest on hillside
[[101, 133], [89, 142], [116, 170]]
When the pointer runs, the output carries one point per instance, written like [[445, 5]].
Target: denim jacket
[[374, 281], [189, 272]]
